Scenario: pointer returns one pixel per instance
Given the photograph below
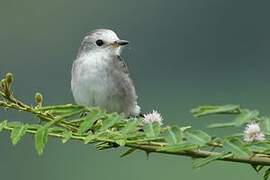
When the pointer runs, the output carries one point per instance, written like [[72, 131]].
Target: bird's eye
[[99, 42]]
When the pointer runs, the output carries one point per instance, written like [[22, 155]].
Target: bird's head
[[102, 40]]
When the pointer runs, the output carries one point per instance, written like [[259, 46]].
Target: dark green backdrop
[[183, 53]]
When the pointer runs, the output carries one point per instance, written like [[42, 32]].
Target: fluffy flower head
[[152, 117], [253, 132]]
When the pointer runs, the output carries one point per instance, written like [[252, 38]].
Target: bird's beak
[[121, 43]]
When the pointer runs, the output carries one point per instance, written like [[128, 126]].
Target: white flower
[[152, 117], [253, 132]]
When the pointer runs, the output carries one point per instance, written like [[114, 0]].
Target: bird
[[100, 76]]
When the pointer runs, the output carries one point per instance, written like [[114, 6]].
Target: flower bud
[[9, 79], [39, 99]]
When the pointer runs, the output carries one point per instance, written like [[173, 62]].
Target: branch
[[255, 160], [149, 148], [106, 131]]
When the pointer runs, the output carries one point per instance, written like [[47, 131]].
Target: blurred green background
[[182, 54]]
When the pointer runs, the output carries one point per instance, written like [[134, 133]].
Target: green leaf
[[14, 124], [128, 152], [64, 111], [152, 129], [17, 133], [204, 161], [103, 146], [173, 135], [50, 123], [261, 147], [89, 120], [265, 124], [121, 142], [60, 107], [257, 168], [110, 121], [178, 148], [197, 137], [184, 128], [236, 147], [245, 116], [89, 138], [66, 136], [207, 110], [266, 174], [56, 129], [130, 127], [41, 139], [70, 113], [3, 124], [221, 125]]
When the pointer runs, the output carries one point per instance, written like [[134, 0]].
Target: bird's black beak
[[121, 42]]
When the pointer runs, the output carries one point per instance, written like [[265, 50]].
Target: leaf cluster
[[108, 131]]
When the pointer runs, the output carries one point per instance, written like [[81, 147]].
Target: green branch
[[105, 131]]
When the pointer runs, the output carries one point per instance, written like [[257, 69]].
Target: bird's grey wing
[[122, 63], [126, 90]]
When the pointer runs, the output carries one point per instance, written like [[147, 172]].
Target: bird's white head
[[102, 40]]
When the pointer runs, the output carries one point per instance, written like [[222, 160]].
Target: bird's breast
[[92, 83]]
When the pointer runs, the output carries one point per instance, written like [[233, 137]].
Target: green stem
[[154, 148], [254, 160], [41, 115]]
